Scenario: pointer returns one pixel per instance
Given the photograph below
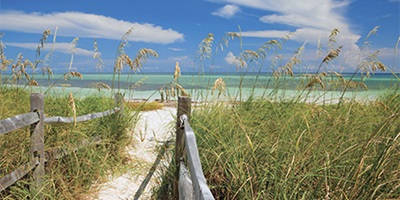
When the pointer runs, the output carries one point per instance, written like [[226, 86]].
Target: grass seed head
[[204, 49], [71, 103], [177, 72], [33, 83], [219, 85]]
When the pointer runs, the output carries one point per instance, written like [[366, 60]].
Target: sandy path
[[153, 128]]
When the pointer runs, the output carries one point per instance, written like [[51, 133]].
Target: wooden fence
[[188, 184], [38, 156]]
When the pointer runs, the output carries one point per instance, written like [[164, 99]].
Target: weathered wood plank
[[14, 176], [37, 144], [185, 183], [200, 186], [18, 121], [53, 120], [184, 108]]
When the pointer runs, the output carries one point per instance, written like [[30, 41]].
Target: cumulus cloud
[[311, 19], [59, 47], [227, 11], [231, 59], [77, 24]]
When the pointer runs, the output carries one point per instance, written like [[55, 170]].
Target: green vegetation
[[309, 145], [71, 176], [143, 106], [260, 149]]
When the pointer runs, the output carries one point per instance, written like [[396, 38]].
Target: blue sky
[[175, 28]]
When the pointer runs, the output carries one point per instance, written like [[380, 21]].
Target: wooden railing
[[189, 184], [38, 156]]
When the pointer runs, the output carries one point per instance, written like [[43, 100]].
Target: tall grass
[[262, 150], [293, 147], [72, 176]]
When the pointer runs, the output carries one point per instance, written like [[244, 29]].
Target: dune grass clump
[[306, 145], [72, 176], [264, 150]]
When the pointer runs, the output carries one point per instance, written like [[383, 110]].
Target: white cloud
[[312, 19], [227, 11], [265, 34], [59, 47], [179, 58], [77, 24], [231, 59], [176, 49]]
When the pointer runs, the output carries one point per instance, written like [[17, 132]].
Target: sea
[[238, 86]]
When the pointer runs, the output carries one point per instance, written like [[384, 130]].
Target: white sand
[[153, 128]]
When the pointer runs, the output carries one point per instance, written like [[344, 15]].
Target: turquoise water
[[146, 86]]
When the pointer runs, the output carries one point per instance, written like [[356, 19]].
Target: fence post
[[119, 101], [184, 108], [37, 144]]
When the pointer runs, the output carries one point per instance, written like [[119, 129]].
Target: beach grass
[[309, 144], [74, 175], [260, 149], [254, 144]]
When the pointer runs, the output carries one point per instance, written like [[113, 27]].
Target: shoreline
[[204, 95]]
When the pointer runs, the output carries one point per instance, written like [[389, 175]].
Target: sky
[[174, 29]]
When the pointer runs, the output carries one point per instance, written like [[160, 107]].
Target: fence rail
[[83, 118], [189, 183], [38, 156], [17, 122], [193, 186]]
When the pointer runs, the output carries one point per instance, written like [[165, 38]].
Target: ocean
[[199, 86]]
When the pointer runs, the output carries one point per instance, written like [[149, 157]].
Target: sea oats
[[97, 56], [33, 83], [72, 51], [294, 60], [167, 94], [68, 75], [225, 40], [71, 103], [315, 79], [219, 85], [263, 50], [333, 53], [204, 50], [43, 40], [47, 69], [4, 61], [177, 71], [100, 85], [172, 90], [141, 57], [179, 87], [26, 75], [332, 37], [161, 91]]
